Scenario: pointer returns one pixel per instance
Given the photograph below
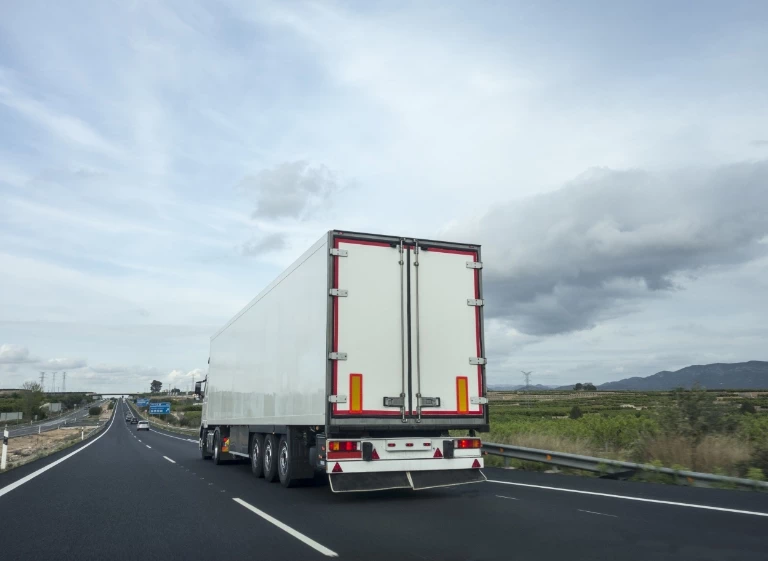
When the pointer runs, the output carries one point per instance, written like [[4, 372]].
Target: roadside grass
[[695, 430]]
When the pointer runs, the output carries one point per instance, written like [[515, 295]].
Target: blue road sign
[[142, 402], [159, 408]]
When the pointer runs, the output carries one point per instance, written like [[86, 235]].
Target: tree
[[32, 398], [578, 387], [156, 386], [575, 412], [590, 387], [747, 407]]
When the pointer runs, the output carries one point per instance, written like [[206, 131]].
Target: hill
[[752, 375]]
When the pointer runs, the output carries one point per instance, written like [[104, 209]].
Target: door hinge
[[339, 252], [429, 401], [478, 400], [474, 264], [394, 402], [477, 360], [341, 292], [337, 398], [337, 356], [474, 301]]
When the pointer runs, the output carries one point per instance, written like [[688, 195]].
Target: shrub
[[575, 412], [747, 407], [111, 405], [755, 473], [94, 411]]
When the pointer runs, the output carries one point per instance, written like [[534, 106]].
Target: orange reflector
[[462, 395], [375, 455], [475, 464], [337, 468], [438, 454], [355, 393]]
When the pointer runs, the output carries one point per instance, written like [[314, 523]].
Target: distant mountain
[[520, 387], [752, 375]]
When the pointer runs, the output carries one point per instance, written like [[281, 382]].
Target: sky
[[161, 162]]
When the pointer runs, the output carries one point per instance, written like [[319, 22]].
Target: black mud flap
[[349, 482], [445, 478]]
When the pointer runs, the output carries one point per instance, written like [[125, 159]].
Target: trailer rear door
[[406, 334], [446, 339]]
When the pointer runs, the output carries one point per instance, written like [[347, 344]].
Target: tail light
[[467, 443], [344, 450]]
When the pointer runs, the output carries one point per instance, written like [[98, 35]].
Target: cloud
[[64, 363], [14, 354], [759, 143], [106, 369], [270, 242], [290, 190], [563, 261]]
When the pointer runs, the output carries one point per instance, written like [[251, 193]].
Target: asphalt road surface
[[69, 418], [130, 495]]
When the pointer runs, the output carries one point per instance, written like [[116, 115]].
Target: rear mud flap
[[349, 482], [417, 480], [447, 478]]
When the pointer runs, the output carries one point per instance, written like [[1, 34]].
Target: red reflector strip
[[390, 444], [427, 444], [409, 444], [475, 464], [353, 455], [438, 454], [375, 455], [336, 468]]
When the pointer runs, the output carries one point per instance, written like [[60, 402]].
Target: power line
[[42, 381], [64, 383], [527, 376], [54, 381]]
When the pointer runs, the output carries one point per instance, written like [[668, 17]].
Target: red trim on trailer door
[[456, 251], [362, 412]]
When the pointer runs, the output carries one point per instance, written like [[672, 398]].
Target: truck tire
[[204, 453], [257, 455], [270, 458], [284, 463], [217, 448]]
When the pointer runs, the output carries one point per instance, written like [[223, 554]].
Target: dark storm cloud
[[565, 260]]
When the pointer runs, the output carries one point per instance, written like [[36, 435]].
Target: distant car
[[128, 419], [134, 421], [143, 425]]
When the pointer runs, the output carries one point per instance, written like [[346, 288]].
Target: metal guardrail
[[614, 468]]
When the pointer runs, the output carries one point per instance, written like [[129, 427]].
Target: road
[[69, 418], [150, 495]]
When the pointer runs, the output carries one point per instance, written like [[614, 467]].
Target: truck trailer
[[363, 361]]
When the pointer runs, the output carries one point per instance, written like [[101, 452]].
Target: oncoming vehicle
[[143, 425], [134, 420]]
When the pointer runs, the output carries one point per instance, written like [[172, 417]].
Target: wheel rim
[[283, 459], [268, 456], [255, 455]]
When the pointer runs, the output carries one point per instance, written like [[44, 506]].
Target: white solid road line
[[600, 513], [170, 460], [510, 498], [176, 437], [296, 534], [23, 480], [628, 498]]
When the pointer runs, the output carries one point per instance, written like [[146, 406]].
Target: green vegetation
[[156, 386], [685, 429], [94, 411]]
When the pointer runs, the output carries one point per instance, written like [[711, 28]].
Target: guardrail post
[[39, 429], [5, 449], [82, 433]]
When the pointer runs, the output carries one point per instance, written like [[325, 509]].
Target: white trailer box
[[371, 340]]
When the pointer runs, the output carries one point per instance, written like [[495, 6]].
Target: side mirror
[[198, 388]]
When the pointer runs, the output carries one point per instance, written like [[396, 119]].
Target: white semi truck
[[363, 360]]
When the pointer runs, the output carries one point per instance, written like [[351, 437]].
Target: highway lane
[[48, 424], [151, 490]]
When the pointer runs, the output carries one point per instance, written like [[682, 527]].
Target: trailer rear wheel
[[270, 458], [217, 448], [204, 453], [284, 461], [257, 455]]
